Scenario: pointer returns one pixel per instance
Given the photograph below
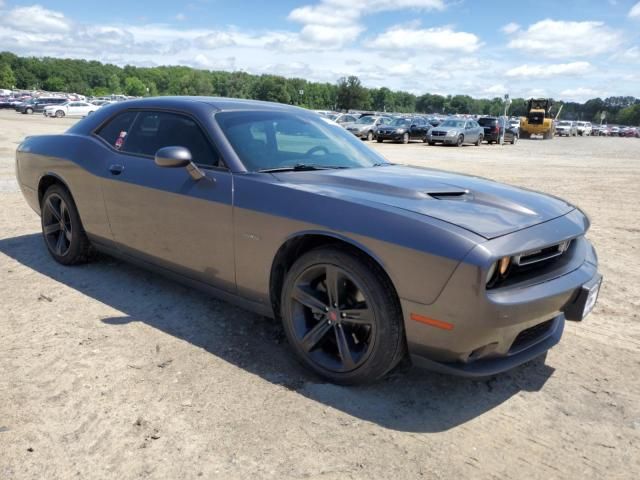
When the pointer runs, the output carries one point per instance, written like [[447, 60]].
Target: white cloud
[[547, 71], [37, 19], [181, 17], [510, 28], [439, 38], [562, 39], [635, 11], [337, 22], [580, 94]]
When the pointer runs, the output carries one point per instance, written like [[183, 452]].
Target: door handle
[[116, 169]]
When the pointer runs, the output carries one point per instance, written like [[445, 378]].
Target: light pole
[[507, 102]]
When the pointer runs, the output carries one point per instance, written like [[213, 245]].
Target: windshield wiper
[[301, 167]]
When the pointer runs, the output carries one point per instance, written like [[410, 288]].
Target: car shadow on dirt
[[408, 399]]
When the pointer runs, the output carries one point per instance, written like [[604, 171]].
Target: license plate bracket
[[585, 300]]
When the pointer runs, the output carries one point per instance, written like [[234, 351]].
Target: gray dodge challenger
[[275, 209]]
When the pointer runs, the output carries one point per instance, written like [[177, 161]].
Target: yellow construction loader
[[538, 120]]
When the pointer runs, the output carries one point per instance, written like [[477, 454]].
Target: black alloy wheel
[[340, 318], [61, 227]]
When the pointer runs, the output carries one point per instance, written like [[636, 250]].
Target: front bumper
[[390, 136], [491, 331], [442, 139], [359, 133]]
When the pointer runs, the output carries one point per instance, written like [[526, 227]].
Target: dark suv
[[494, 128], [403, 130], [38, 104]]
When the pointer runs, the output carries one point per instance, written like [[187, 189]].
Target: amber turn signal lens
[[504, 265]]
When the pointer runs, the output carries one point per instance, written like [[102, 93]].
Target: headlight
[[491, 272], [400, 130], [498, 270], [452, 133]]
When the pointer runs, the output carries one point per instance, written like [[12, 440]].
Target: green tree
[[133, 86], [7, 78], [113, 83], [351, 94], [271, 88], [55, 84]]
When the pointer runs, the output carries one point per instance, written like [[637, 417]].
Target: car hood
[[482, 206]]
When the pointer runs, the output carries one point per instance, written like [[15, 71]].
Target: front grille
[[531, 335], [438, 134], [542, 254]]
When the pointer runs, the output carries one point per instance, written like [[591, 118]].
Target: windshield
[[452, 124], [400, 122], [366, 120], [332, 117], [267, 140], [565, 124]]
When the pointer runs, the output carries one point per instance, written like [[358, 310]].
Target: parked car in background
[[70, 109], [365, 126], [343, 118], [566, 128], [497, 130], [403, 129], [37, 105], [584, 128], [614, 131], [455, 131]]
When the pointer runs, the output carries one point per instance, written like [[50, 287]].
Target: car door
[[470, 132], [418, 128], [162, 215], [73, 108]]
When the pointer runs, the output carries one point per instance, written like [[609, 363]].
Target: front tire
[[59, 114], [405, 138], [370, 136], [341, 316], [62, 229], [379, 140], [460, 141], [480, 139], [29, 111]]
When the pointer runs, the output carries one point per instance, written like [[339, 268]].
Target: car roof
[[217, 103]]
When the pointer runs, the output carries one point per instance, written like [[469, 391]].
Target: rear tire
[[62, 229], [514, 139], [358, 341], [379, 140]]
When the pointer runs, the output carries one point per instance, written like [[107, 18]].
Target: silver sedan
[[455, 131]]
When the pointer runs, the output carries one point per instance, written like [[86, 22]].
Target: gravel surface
[[108, 371]]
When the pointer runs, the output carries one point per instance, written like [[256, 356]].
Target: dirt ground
[[107, 371]]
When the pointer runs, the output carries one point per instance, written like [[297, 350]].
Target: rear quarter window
[[117, 126]]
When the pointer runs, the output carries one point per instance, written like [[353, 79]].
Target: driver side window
[[154, 130]]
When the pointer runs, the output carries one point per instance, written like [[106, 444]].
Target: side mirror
[[173, 157], [413, 126], [178, 157]]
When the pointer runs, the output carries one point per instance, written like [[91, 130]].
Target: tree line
[[98, 79]]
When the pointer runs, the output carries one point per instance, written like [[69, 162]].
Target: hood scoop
[[447, 193]]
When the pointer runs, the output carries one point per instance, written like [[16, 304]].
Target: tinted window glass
[[117, 127], [155, 130], [488, 122]]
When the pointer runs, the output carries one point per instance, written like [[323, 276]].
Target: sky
[[571, 49]]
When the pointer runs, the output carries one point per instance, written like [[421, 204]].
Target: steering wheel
[[317, 148]]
